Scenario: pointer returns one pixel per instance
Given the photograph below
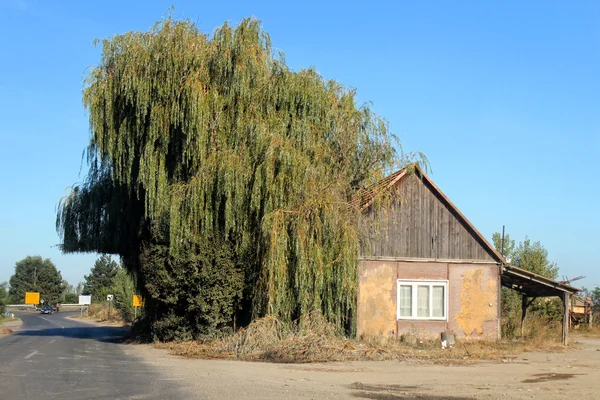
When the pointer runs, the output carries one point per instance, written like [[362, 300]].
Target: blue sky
[[502, 97]]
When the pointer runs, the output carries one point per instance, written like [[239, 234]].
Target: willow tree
[[223, 178]]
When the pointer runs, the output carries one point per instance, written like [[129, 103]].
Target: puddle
[[395, 392], [549, 377]]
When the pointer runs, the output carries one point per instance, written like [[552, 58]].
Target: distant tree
[[79, 289], [3, 296], [69, 295], [509, 245], [34, 274], [71, 298], [532, 257], [594, 294], [100, 280]]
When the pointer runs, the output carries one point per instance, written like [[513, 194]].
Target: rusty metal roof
[[533, 285]]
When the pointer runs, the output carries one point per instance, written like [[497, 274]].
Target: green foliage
[[99, 282], [509, 245], [34, 274], [242, 167], [3, 296], [531, 257], [195, 292], [534, 257], [67, 291], [123, 289], [594, 295], [70, 298]]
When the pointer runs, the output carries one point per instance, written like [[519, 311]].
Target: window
[[422, 299]]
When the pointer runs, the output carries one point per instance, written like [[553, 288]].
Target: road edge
[[98, 323], [14, 326]]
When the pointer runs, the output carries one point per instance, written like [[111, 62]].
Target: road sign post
[[84, 301], [138, 301]]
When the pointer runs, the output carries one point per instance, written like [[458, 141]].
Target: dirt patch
[[96, 321], [9, 326], [329, 369], [548, 377], [391, 392], [390, 380]]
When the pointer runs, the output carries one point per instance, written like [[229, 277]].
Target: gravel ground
[[574, 374]]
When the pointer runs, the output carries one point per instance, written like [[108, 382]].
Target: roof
[[366, 197], [533, 285], [524, 281]]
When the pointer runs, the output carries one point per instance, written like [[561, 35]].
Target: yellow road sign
[[32, 298], [138, 301]]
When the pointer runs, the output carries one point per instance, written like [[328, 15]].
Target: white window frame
[[421, 282]]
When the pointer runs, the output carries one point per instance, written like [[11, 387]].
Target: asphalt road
[[54, 357]]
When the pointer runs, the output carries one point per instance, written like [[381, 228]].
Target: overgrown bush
[[123, 289], [544, 316], [193, 292], [3, 297]]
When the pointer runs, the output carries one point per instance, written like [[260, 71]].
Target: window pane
[[405, 299], [437, 301], [422, 301]]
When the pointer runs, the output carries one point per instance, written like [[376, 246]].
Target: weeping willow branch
[[215, 138]]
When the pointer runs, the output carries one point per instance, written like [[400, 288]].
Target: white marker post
[[109, 298]]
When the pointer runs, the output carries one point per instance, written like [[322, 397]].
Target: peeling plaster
[[377, 303], [476, 297]]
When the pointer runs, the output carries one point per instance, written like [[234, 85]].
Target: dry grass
[[312, 339], [6, 331], [586, 331], [101, 313]]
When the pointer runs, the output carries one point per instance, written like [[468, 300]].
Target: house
[[425, 269]]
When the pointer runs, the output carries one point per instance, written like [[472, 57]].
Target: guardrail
[[20, 306], [33, 307]]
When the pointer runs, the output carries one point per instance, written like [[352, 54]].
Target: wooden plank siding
[[418, 222]]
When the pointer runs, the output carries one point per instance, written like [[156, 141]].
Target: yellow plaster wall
[[377, 299], [478, 302]]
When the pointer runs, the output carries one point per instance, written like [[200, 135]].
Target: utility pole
[[502, 251]]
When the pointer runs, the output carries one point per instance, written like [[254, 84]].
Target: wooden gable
[[419, 221]]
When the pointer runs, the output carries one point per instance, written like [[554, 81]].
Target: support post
[[499, 305], [523, 313], [566, 317]]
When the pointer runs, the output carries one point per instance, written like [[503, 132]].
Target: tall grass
[[313, 339], [102, 312]]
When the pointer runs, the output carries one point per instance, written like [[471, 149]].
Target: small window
[[422, 299], [405, 301]]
